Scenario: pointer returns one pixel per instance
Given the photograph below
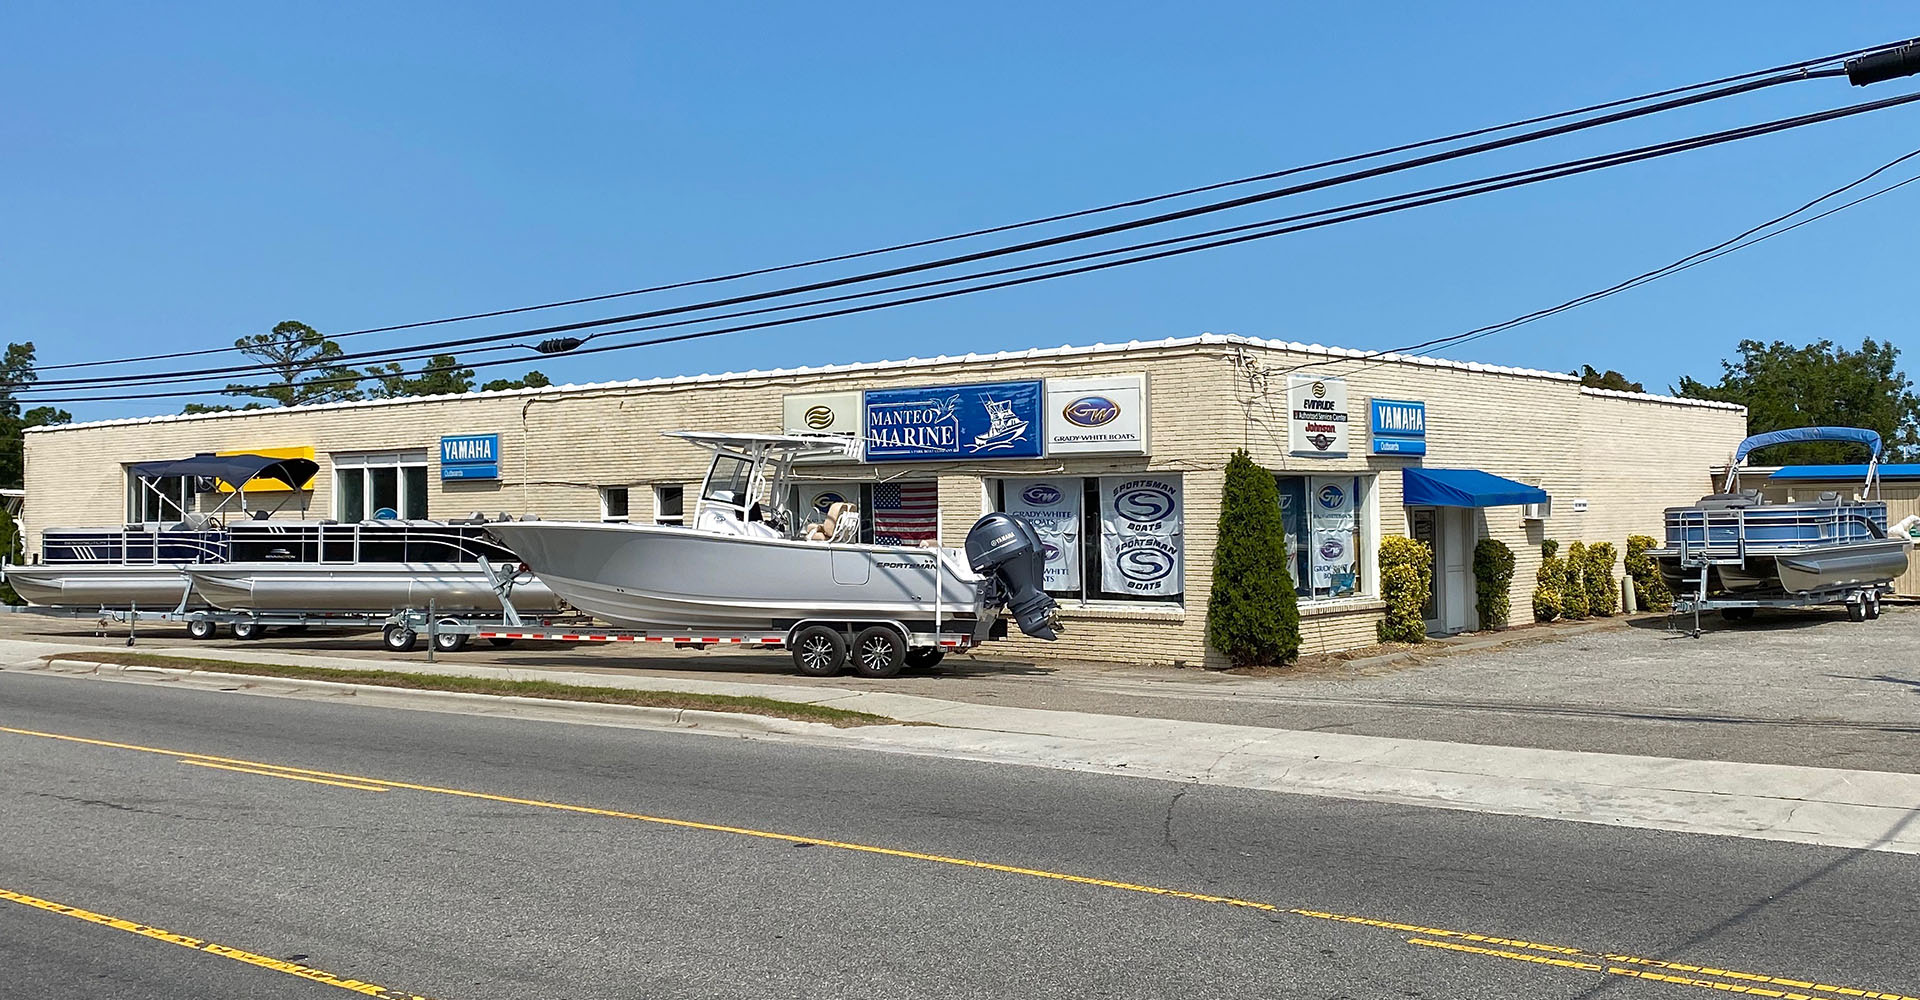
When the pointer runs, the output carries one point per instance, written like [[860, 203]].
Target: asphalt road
[[1804, 688], [455, 856]]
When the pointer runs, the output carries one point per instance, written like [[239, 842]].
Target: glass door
[[1426, 528]]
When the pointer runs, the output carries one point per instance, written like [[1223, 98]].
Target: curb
[[644, 716]]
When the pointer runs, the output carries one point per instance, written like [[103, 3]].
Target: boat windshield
[[730, 482]]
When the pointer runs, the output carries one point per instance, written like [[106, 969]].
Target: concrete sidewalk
[[1843, 808]]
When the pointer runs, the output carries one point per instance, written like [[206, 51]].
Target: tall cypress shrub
[[1603, 588], [1650, 590], [1492, 581], [1549, 581], [1573, 590], [1252, 614], [1406, 581]]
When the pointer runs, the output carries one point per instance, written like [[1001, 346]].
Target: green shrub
[[1650, 589], [1406, 580], [1548, 582], [1603, 588], [1573, 589], [1252, 614], [1492, 582]]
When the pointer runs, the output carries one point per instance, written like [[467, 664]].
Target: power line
[[1555, 169], [1650, 152], [1747, 85], [1738, 242]]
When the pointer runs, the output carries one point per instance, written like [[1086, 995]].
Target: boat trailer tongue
[[1007, 551]]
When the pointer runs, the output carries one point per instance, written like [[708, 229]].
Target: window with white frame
[[1328, 521], [613, 504], [164, 499], [1107, 538], [670, 504], [380, 485]]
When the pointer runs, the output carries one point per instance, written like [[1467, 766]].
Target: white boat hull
[[645, 576], [363, 587]]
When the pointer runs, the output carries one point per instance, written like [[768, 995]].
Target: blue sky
[[173, 177]]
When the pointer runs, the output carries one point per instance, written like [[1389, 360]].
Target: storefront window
[[1325, 540], [165, 499], [380, 486], [1107, 538]]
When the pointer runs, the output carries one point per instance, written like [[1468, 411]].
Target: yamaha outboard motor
[[1007, 551]]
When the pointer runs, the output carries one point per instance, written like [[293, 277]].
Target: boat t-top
[[749, 561], [1736, 546]]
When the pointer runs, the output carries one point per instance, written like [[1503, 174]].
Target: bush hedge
[[1406, 580], [1252, 614], [1603, 588], [1548, 582], [1492, 582], [1650, 589], [1573, 592]]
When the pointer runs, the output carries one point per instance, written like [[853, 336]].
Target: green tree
[[1608, 379], [1252, 614], [1492, 582], [17, 373], [304, 365], [1406, 581], [442, 376], [1820, 384], [532, 380]]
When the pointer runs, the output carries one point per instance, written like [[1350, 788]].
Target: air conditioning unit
[[1537, 511]]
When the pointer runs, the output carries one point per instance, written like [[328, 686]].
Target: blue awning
[[1464, 488], [1845, 473]]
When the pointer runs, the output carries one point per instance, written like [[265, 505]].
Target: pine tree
[[1252, 616]]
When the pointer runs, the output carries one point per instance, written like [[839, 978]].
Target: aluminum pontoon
[[1735, 551]]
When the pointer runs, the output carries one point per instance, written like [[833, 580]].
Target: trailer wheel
[[499, 643], [925, 659], [449, 642], [202, 628], [819, 651], [879, 652], [1873, 606], [1857, 611], [245, 630], [398, 638]]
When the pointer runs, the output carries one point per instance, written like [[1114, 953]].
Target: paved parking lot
[[1792, 688]]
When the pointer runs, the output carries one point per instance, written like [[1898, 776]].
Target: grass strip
[[739, 704]]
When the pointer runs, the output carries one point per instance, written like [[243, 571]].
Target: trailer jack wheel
[[399, 638]]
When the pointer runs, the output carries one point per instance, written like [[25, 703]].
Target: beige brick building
[[1610, 462]]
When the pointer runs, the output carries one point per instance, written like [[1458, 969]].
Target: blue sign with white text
[[470, 456], [1399, 427], [942, 422]]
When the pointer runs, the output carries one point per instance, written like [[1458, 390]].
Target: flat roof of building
[[1090, 350]]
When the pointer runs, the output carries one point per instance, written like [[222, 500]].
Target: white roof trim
[[1705, 404], [1202, 340]]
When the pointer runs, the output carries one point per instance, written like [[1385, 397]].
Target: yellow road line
[[1711, 984], [1431, 932], [1751, 977], [277, 774], [307, 972], [1564, 963]]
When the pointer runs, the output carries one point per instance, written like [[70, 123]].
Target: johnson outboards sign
[[1316, 416]]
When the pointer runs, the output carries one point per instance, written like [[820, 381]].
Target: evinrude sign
[[1102, 415], [470, 456], [954, 422], [1316, 416]]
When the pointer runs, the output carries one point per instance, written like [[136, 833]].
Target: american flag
[[905, 513]]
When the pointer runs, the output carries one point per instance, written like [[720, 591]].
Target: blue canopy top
[[234, 470], [1860, 434], [1843, 473], [1464, 488]]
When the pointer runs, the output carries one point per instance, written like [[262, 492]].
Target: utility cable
[[1663, 149], [1747, 84]]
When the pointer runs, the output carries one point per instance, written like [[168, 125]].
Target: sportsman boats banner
[[1140, 545]]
